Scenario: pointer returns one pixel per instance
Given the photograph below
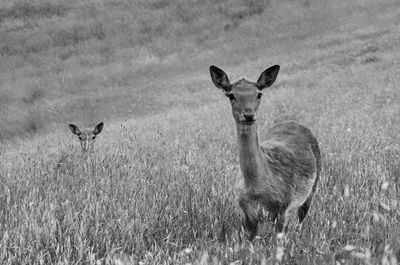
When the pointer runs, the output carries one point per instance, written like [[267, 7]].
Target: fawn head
[[87, 137], [244, 95]]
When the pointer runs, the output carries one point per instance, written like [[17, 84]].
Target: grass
[[160, 188]]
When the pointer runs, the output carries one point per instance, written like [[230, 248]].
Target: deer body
[[281, 173]]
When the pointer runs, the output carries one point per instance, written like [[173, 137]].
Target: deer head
[[86, 137]]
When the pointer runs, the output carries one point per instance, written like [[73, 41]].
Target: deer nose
[[249, 116]]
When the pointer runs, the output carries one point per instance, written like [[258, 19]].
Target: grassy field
[[160, 187]]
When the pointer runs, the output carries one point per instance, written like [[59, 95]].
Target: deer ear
[[267, 78], [74, 129], [219, 78], [98, 128]]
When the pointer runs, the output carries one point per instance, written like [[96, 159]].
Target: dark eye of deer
[[259, 95], [231, 96], [93, 137]]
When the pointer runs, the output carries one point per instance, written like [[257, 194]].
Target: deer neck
[[250, 154], [86, 155]]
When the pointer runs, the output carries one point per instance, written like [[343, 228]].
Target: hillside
[[84, 61]]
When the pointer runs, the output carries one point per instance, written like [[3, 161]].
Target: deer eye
[[93, 137], [259, 95], [80, 138], [231, 96]]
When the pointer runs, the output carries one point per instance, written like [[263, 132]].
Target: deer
[[281, 173], [87, 137]]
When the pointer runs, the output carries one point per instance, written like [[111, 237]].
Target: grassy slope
[[73, 60], [161, 186]]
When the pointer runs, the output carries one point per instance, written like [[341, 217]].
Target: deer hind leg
[[250, 219], [303, 210]]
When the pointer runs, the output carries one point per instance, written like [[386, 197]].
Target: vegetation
[[160, 187]]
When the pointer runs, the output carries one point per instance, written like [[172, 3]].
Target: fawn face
[[86, 137], [244, 95]]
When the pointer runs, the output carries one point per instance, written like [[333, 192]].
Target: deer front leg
[[281, 222], [250, 218]]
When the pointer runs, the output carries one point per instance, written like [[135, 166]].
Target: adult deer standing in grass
[[281, 173]]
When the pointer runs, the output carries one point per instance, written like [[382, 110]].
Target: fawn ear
[[74, 129], [98, 128], [267, 78], [219, 78]]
